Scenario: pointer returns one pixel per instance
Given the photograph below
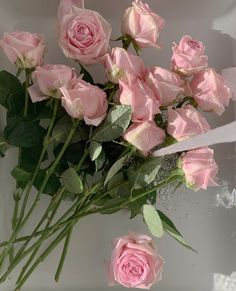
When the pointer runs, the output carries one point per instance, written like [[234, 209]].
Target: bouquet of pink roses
[[93, 143]]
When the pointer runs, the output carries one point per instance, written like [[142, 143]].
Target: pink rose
[[144, 136], [48, 79], [229, 76], [84, 101], [123, 66], [84, 35], [189, 56], [200, 168], [135, 262], [66, 7], [142, 24], [142, 100], [24, 49], [210, 91], [186, 122], [165, 84]]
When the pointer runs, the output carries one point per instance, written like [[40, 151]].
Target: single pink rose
[[82, 100], [144, 136], [66, 7], [210, 91], [135, 262], [189, 56], [24, 49], [166, 85], [142, 24], [200, 168], [84, 35], [48, 79], [142, 100], [186, 122], [123, 66]]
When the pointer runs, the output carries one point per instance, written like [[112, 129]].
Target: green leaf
[[113, 205], [170, 228], [115, 169], [116, 122], [23, 133], [72, 181], [146, 173], [100, 161], [95, 150], [21, 175], [52, 185], [86, 75], [11, 92], [153, 220], [4, 146], [30, 157]]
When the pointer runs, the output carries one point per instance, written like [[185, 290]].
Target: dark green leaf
[[170, 228], [116, 122], [115, 169], [21, 175], [153, 220], [72, 181], [100, 161], [52, 185], [113, 205], [95, 150]]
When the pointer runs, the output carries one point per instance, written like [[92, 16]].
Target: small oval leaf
[[72, 181], [153, 221], [95, 150]]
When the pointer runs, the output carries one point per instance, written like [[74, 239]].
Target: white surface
[[211, 230]]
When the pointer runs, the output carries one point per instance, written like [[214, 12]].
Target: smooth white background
[[210, 229]]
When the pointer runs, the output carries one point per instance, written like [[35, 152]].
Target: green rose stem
[[17, 194], [74, 219], [44, 183]]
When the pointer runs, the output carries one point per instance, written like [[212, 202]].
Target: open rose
[[142, 24], [142, 100], [48, 79], [186, 122], [210, 91], [24, 49], [166, 85], [144, 136], [200, 168], [189, 56], [82, 100], [123, 66], [135, 262], [83, 35]]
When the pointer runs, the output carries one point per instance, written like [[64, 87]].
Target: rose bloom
[[66, 7], [229, 76], [189, 56], [186, 122], [123, 66], [48, 79], [83, 35], [144, 136], [166, 85], [82, 100], [142, 100], [200, 168], [135, 262], [24, 49], [210, 91], [142, 24]]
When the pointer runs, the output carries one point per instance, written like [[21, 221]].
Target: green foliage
[[115, 168], [72, 181], [153, 220], [21, 176], [116, 122], [52, 185], [95, 150]]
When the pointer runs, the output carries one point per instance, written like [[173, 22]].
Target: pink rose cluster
[[135, 262]]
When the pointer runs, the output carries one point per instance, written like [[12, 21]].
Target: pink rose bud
[[186, 122], [66, 7], [48, 79], [210, 91], [200, 168], [144, 136], [24, 49], [189, 56], [142, 24], [142, 100], [123, 66], [135, 262], [82, 100], [83, 35], [166, 85]]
